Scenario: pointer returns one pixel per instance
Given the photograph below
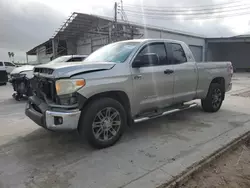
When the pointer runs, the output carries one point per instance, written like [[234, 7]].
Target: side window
[[1, 64], [158, 49], [9, 64], [74, 59], [179, 55]]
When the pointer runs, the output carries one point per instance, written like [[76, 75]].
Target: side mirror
[[145, 60]]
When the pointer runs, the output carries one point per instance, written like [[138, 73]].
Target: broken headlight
[[68, 86]]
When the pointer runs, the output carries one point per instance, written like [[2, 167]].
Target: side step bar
[[184, 107]]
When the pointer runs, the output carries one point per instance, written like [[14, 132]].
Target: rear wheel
[[102, 122], [214, 98]]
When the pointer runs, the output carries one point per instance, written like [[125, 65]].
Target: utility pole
[[115, 12], [115, 24]]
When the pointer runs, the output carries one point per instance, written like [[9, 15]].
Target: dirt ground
[[232, 170]]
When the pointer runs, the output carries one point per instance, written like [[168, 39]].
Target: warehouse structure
[[83, 34], [235, 49]]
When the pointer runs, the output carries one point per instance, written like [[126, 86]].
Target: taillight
[[230, 69]]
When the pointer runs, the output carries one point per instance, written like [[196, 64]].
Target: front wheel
[[214, 98], [102, 122]]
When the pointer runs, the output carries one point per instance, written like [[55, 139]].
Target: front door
[[153, 85]]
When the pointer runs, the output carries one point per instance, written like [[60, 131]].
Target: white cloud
[[67, 7], [26, 23], [238, 25]]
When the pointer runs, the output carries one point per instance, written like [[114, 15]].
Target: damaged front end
[[49, 110], [45, 89], [56, 103]]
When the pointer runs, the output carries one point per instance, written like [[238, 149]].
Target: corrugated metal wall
[[42, 57], [86, 46], [83, 46], [236, 52]]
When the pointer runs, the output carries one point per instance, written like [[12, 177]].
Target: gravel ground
[[232, 170]]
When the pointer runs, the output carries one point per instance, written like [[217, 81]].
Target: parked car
[[8, 66], [20, 77], [3, 76], [124, 82]]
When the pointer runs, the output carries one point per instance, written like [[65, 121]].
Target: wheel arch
[[221, 81], [118, 95]]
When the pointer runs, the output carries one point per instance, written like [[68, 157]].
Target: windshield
[[60, 59], [116, 52]]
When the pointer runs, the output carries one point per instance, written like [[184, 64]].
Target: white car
[[9, 67], [20, 77], [28, 69]]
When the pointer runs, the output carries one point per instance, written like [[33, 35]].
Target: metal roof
[[33, 50], [237, 38], [242, 36], [79, 24]]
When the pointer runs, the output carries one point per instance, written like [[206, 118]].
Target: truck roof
[[153, 40], [75, 55]]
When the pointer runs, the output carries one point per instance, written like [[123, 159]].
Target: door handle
[[168, 71]]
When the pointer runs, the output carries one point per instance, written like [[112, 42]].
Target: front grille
[[44, 87], [43, 70]]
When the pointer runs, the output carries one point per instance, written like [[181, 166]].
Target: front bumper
[[229, 87], [56, 120]]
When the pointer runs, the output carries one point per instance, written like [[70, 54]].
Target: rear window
[[179, 55]]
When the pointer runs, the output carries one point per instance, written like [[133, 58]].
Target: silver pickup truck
[[122, 83]]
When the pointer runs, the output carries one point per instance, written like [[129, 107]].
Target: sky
[[27, 23]]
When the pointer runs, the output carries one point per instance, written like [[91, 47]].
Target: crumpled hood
[[69, 69], [22, 68]]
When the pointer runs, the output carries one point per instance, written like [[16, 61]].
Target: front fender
[[95, 86]]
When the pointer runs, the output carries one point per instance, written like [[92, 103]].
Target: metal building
[[83, 34], [235, 49]]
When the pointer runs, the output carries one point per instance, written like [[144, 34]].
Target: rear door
[[185, 74], [153, 88]]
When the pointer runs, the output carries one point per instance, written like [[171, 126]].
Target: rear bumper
[[56, 120]]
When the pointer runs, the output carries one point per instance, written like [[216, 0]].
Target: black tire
[[89, 113], [208, 103]]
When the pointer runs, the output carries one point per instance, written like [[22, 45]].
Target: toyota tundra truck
[[123, 83]]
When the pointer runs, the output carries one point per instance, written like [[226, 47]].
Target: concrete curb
[[185, 175]]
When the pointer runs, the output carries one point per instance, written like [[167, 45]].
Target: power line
[[189, 13], [184, 7], [180, 10], [158, 17]]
